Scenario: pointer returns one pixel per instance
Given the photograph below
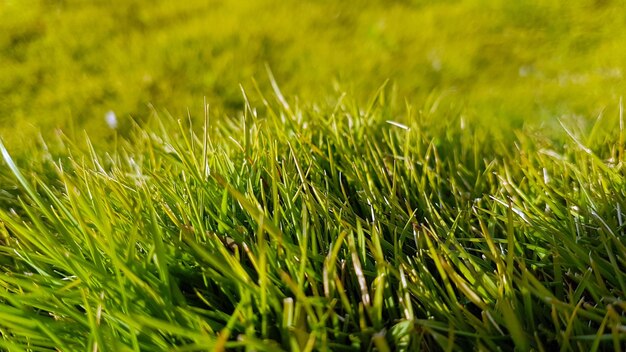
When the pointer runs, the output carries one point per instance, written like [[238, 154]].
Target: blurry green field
[[65, 63], [366, 176]]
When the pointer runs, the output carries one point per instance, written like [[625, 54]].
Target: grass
[[474, 201], [66, 63], [332, 229]]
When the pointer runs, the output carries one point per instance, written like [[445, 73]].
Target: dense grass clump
[[476, 201], [318, 227]]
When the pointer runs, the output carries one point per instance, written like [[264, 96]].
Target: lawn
[[283, 175]]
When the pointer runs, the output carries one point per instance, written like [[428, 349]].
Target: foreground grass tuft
[[339, 227]]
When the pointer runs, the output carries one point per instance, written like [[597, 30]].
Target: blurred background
[[66, 64]]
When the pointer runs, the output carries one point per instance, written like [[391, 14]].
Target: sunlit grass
[[474, 201], [340, 227], [65, 64]]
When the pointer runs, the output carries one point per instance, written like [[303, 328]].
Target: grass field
[[398, 175]]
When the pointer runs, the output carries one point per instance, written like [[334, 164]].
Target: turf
[[481, 210], [66, 63]]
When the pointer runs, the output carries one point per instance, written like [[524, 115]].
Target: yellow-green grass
[[66, 63], [473, 201], [335, 228]]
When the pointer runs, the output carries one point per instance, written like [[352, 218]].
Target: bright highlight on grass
[[344, 231]]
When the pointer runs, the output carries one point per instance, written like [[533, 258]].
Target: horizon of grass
[[301, 226]]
